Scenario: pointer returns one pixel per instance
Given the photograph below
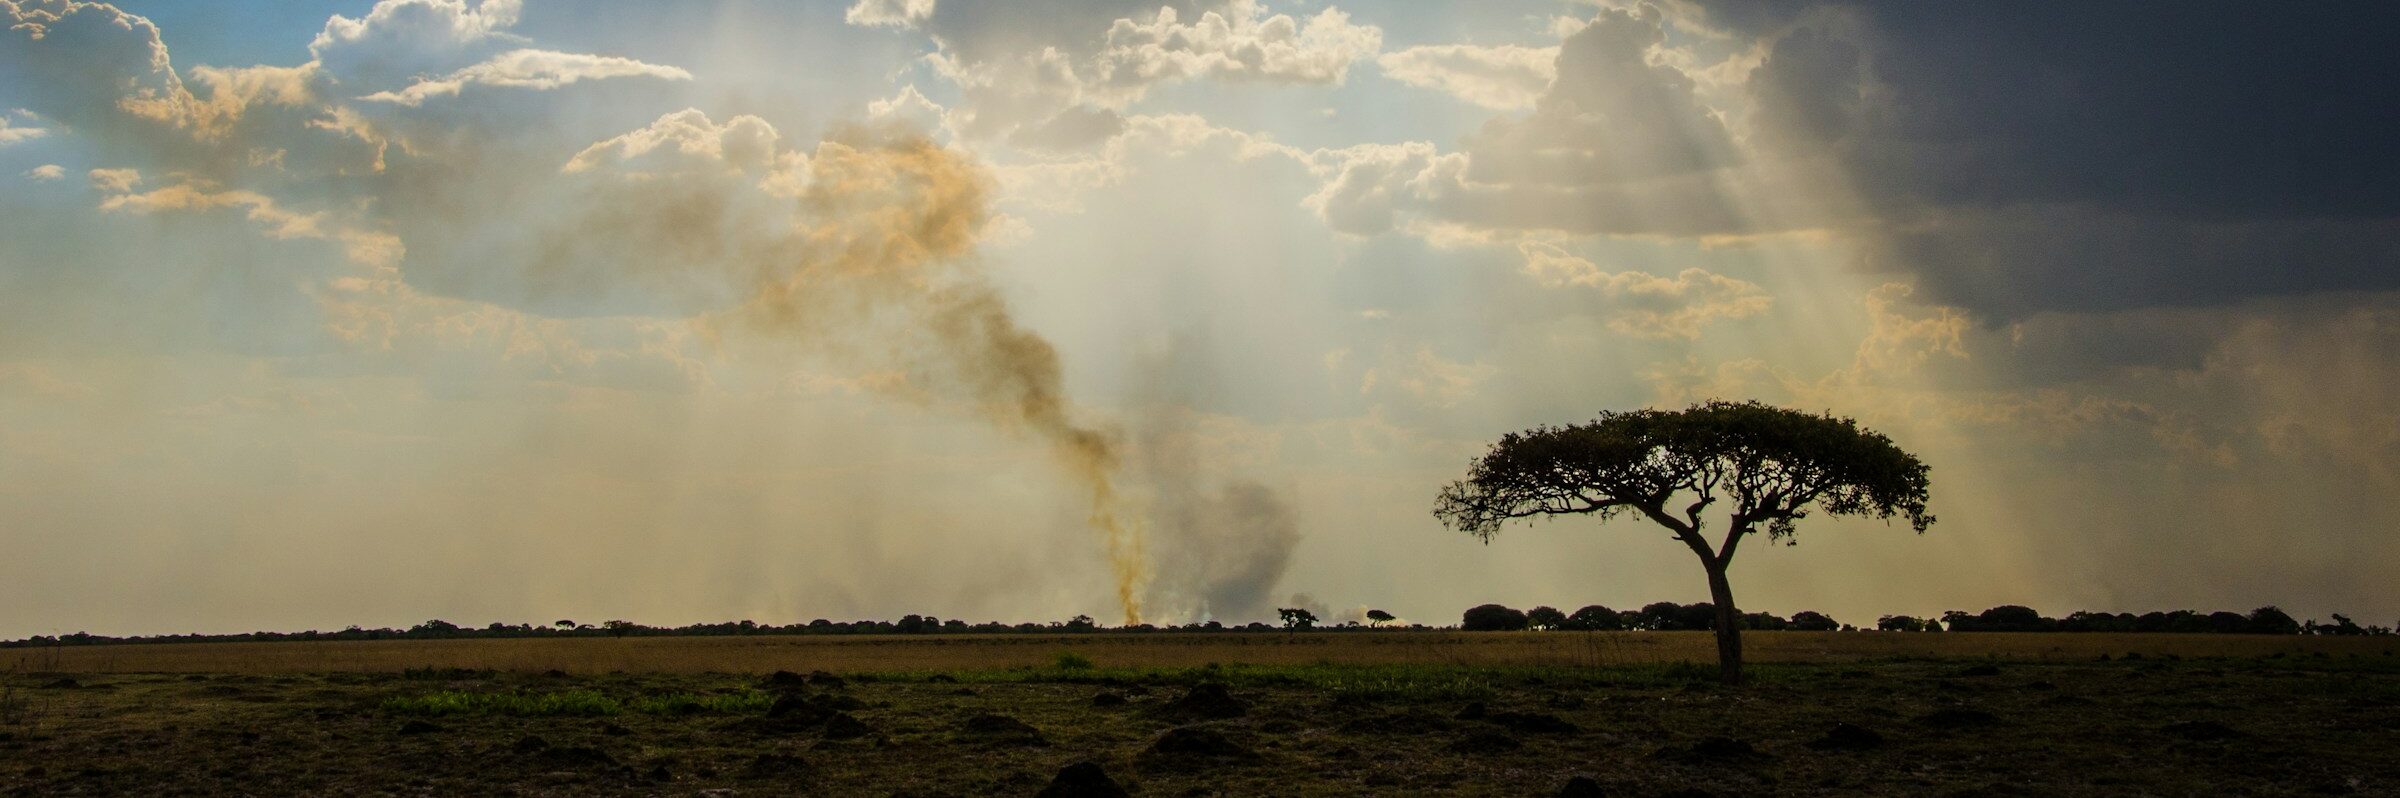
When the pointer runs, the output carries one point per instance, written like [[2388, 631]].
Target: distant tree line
[[1664, 616], [1667, 616]]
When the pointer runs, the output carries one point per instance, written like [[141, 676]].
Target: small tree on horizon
[[1295, 618], [1379, 618], [1772, 465]]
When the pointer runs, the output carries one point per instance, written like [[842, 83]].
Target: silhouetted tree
[[2271, 620], [1812, 621], [1492, 618], [1081, 623], [1596, 618], [618, 628], [1773, 465], [1764, 621], [1296, 618], [1545, 618], [1378, 618]]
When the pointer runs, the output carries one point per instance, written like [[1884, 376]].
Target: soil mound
[[1581, 787], [1205, 701], [1082, 780], [1190, 746]]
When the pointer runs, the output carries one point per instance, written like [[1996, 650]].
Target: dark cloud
[[2103, 156]]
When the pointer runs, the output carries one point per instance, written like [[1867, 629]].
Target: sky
[[378, 312]]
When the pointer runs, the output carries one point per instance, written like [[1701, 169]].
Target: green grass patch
[[574, 703]]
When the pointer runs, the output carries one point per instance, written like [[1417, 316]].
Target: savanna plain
[[1322, 713]]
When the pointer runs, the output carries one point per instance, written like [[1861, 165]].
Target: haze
[[367, 314]]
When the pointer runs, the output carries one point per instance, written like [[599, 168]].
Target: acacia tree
[[1772, 466]]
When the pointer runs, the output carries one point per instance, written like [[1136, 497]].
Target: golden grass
[[959, 652]]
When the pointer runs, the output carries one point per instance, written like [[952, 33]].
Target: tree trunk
[[1729, 626]]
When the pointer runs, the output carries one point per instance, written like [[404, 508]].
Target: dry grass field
[[1216, 715], [852, 654]]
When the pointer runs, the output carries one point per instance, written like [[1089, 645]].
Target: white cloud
[[398, 40], [1652, 306], [46, 172], [1057, 76], [1503, 78], [114, 181], [529, 69], [1240, 42], [11, 134], [888, 13]]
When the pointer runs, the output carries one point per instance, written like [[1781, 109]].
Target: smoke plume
[[887, 255]]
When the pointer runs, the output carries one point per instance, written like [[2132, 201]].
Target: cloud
[[2002, 184], [1616, 145], [1240, 42], [1056, 76], [528, 69], [46, 172], [399, 40], [1502, 77], [12, 134], [114, 181], [888, 13], [1650, 306]]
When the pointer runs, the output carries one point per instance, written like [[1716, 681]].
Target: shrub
[[1493, 618]]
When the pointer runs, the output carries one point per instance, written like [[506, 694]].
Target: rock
[[1847, 737], [1581, 787], [783, 679], [1533, 722], [659, 773], [1205, 701], [1959, 718], [2202, 731], [1485, 742], [823, 679], [1108, 700], [1082, 780], [798, 709], [1183, 744], [418, 727]]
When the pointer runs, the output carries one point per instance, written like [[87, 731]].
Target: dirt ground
[[2311, 723]]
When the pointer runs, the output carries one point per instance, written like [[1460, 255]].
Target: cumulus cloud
[[1502, 77], [1242, 41], [1617, 144], [888, 13], [1650, 306], [114, 181], [46, 172], [528, 69], [11, 133], [1058, 75], [398, 40]]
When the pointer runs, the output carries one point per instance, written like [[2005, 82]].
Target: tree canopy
[[1774, 465]]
